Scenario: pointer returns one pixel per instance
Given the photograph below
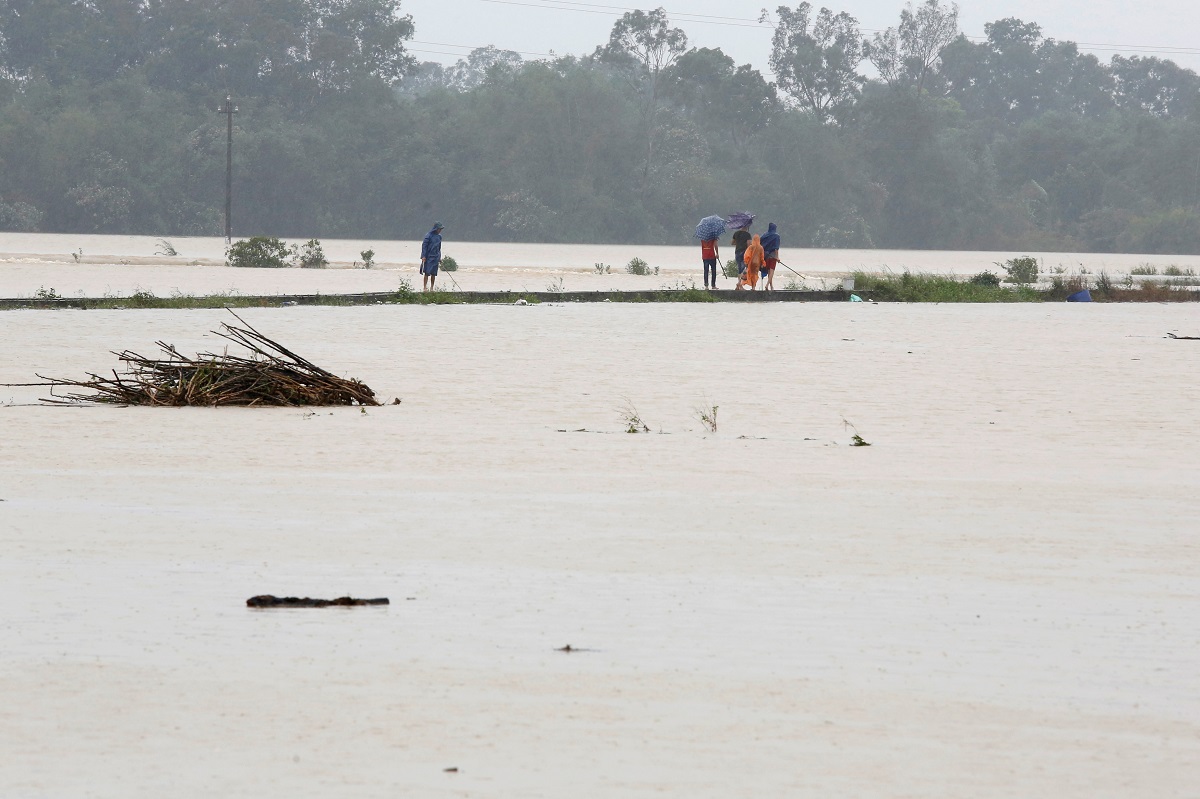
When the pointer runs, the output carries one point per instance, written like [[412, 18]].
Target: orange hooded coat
[[754, 259]]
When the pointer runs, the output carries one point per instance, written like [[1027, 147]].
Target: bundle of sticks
[[271, 375]]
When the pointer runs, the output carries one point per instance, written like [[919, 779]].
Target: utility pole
[[228, 109]]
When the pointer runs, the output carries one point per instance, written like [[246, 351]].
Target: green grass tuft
[[923, 287]]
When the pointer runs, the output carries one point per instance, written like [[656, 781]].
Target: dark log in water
[[269, 601]]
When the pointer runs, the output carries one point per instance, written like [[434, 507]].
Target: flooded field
[[998, 597], [95, 266]]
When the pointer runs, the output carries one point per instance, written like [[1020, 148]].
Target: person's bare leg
[[432, 281]]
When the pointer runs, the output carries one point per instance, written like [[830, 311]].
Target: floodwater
[[999, 597], [92, 266]]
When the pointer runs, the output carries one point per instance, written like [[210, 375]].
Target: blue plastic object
[[1080, 296]]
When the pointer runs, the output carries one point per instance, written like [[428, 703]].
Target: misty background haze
[[921, 126], [1163, 28]]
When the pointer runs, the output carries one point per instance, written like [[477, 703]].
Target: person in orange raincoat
[[754, 259]]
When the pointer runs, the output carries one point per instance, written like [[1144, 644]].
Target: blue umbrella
[[710, 227], [740, 220]]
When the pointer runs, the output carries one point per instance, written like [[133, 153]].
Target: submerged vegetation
[[913, 287], [259, 252], [921, 287], [632, 419]]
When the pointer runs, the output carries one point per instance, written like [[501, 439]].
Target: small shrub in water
[[708, 417], [1061, 288], [368, 257], [259, 252], [986, 279], [633, 420], [312, 256], [166, 248], [855, 440], [729, 268], [448, 264], [47, 294], [1021, 270], [1144, 269], [602, 269], [637, 266], [142, 297]]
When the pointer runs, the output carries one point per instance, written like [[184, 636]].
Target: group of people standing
[[756, 257]]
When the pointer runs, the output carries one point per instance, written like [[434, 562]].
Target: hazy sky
[[535, 27]]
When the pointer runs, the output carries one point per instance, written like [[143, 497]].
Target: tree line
[[108, 123]]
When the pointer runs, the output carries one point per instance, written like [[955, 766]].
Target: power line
[[468, 47], [434, 52], [618, 13], [675, 13]]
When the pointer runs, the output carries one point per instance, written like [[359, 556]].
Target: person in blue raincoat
[[431, 256], [770, 245]]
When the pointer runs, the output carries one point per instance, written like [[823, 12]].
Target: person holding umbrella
[[708, 231], [710, 253], [431, 256], [740, 223]]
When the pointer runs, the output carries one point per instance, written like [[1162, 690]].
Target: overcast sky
[[537, 27]]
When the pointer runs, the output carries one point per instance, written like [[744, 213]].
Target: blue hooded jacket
[[431, 246], [770, 241]]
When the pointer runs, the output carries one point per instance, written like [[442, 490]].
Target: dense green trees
[[108, 123]]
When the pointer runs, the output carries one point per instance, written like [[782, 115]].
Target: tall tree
[[1016, 75], [646, 44], [480, 63], [737, 101], [349, 39], [905, 56], [816, 60], [275, 47], [1155, 86], [66, 40]]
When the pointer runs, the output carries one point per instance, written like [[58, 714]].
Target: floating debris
[[272, 376], [269, 601]]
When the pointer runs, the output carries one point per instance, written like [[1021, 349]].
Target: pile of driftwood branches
[[271, 375]]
